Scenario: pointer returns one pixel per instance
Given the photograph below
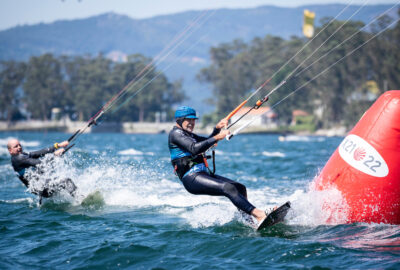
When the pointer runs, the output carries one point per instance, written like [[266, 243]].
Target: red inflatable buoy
[[365, 167]]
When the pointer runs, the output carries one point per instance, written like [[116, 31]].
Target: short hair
[[9, 142]]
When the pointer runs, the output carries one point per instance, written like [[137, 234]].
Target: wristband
[[56, 146]]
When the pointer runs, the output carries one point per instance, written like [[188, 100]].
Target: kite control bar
[[73, 135]]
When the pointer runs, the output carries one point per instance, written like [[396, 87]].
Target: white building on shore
[[265, 117]]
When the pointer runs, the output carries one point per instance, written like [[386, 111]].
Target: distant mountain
[[116, 35]]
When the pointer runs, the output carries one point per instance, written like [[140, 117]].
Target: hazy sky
[[20, 12]]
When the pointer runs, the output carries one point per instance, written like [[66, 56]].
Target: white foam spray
[[315, 207], [136, 185]]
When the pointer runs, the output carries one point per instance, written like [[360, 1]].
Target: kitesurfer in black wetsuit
[[22, 161], [187, 149]]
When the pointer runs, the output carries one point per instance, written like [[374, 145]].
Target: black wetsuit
[[23, 161], [186, 149]]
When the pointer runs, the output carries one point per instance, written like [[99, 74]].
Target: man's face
[[14, 147], [188, 124]]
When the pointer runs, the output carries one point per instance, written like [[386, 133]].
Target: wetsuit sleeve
[[23, 161], [201, 138], [42, 152], [26, 161], [215, 132], [191, 144]]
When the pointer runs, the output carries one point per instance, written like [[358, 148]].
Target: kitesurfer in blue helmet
[[187, 157]]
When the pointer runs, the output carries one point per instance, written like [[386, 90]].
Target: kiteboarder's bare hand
[[59, 152], [221, 124], [222, 134], [63, 144]]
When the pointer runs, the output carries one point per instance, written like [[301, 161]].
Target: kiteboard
[[93, 200], [275, 216]]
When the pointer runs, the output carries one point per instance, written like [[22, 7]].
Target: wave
[[222, 153], [28, 200], [134, 152], [271, 154], [299, 138], [3, 151]]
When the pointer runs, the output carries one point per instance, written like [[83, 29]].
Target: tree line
[[81, 85], [339, 96]]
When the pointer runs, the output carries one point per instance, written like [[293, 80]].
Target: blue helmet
[[185, 112]]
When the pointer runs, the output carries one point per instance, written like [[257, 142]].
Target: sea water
[[149, 221]]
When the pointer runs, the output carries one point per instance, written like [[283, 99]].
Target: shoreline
[[146, 128]]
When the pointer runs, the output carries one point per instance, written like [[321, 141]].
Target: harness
[[184, 164], [20, 175]]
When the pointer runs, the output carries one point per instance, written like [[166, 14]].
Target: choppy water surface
[[150, 221]]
